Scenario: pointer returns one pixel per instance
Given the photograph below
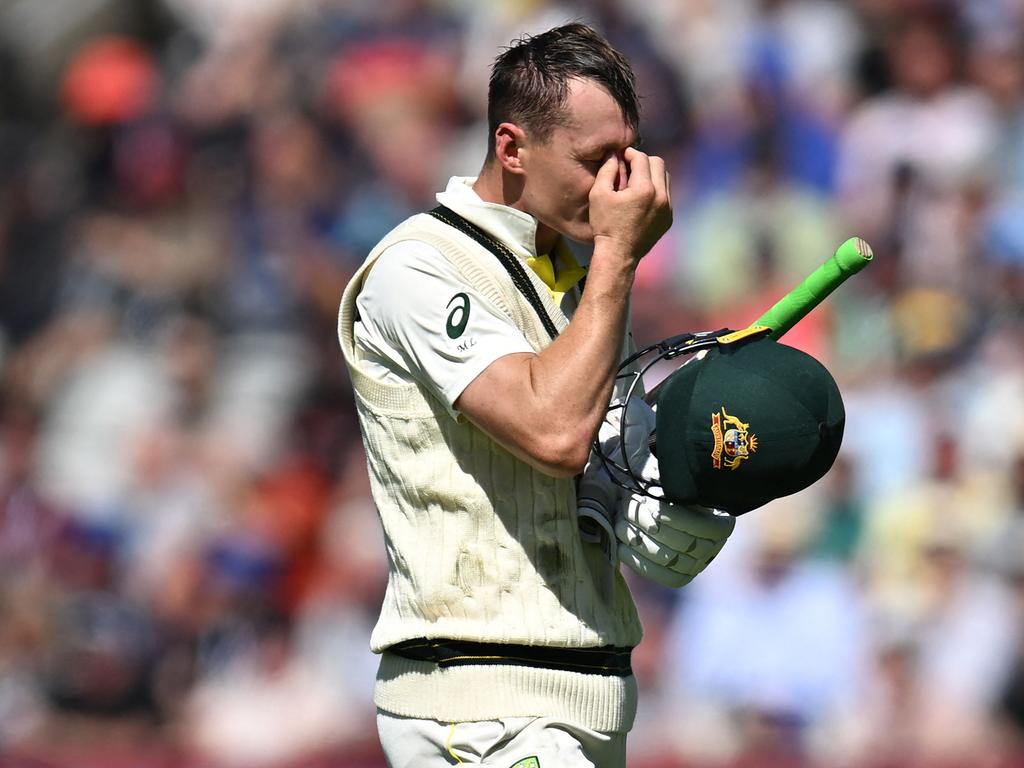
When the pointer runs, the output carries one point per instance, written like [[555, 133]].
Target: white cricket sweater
[[481, 546]]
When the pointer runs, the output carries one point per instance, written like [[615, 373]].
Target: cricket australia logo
[[733, 441]]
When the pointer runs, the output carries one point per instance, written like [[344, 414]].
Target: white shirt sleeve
[[419, 320]]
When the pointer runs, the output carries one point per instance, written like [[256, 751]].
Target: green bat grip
[[849, 259]]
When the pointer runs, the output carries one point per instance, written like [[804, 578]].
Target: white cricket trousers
[[511, 742]]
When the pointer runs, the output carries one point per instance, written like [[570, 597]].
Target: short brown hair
[[530, 79]]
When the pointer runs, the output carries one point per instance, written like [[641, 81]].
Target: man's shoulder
[[407, 255], [408, 271]]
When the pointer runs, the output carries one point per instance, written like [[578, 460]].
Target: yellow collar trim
[[569, 274]]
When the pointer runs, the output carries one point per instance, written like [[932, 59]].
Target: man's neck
[[495, 186]]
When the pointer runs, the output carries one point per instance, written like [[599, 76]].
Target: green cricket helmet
[[749, 421]]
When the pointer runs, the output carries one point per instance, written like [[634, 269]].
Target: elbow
[[563, 469], [564, 457]]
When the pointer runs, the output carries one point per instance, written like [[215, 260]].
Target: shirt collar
[[514, 228], [517, 230]]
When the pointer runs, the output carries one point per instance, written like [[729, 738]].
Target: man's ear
[[509, 141]]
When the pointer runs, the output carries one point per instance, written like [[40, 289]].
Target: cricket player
[[482, 373]]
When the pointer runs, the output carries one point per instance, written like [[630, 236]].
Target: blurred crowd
[[190, 561]]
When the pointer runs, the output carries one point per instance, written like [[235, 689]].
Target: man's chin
[[579, 231], [582, 233]]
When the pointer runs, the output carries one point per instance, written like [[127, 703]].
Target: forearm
[[546, 408], [572, 378]]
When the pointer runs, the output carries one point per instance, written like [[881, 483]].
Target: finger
[[659, 177], [638, 541], [639, 167], [673, 539], [698, 548], [668, 187], [607, 173], [696, 521], [653, 571]]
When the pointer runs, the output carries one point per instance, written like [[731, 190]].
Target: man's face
[[559, 172]]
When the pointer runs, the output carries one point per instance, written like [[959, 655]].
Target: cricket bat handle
[[849, 259]]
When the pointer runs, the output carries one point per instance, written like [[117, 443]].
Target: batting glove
[[598, 495], [669, 543]]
